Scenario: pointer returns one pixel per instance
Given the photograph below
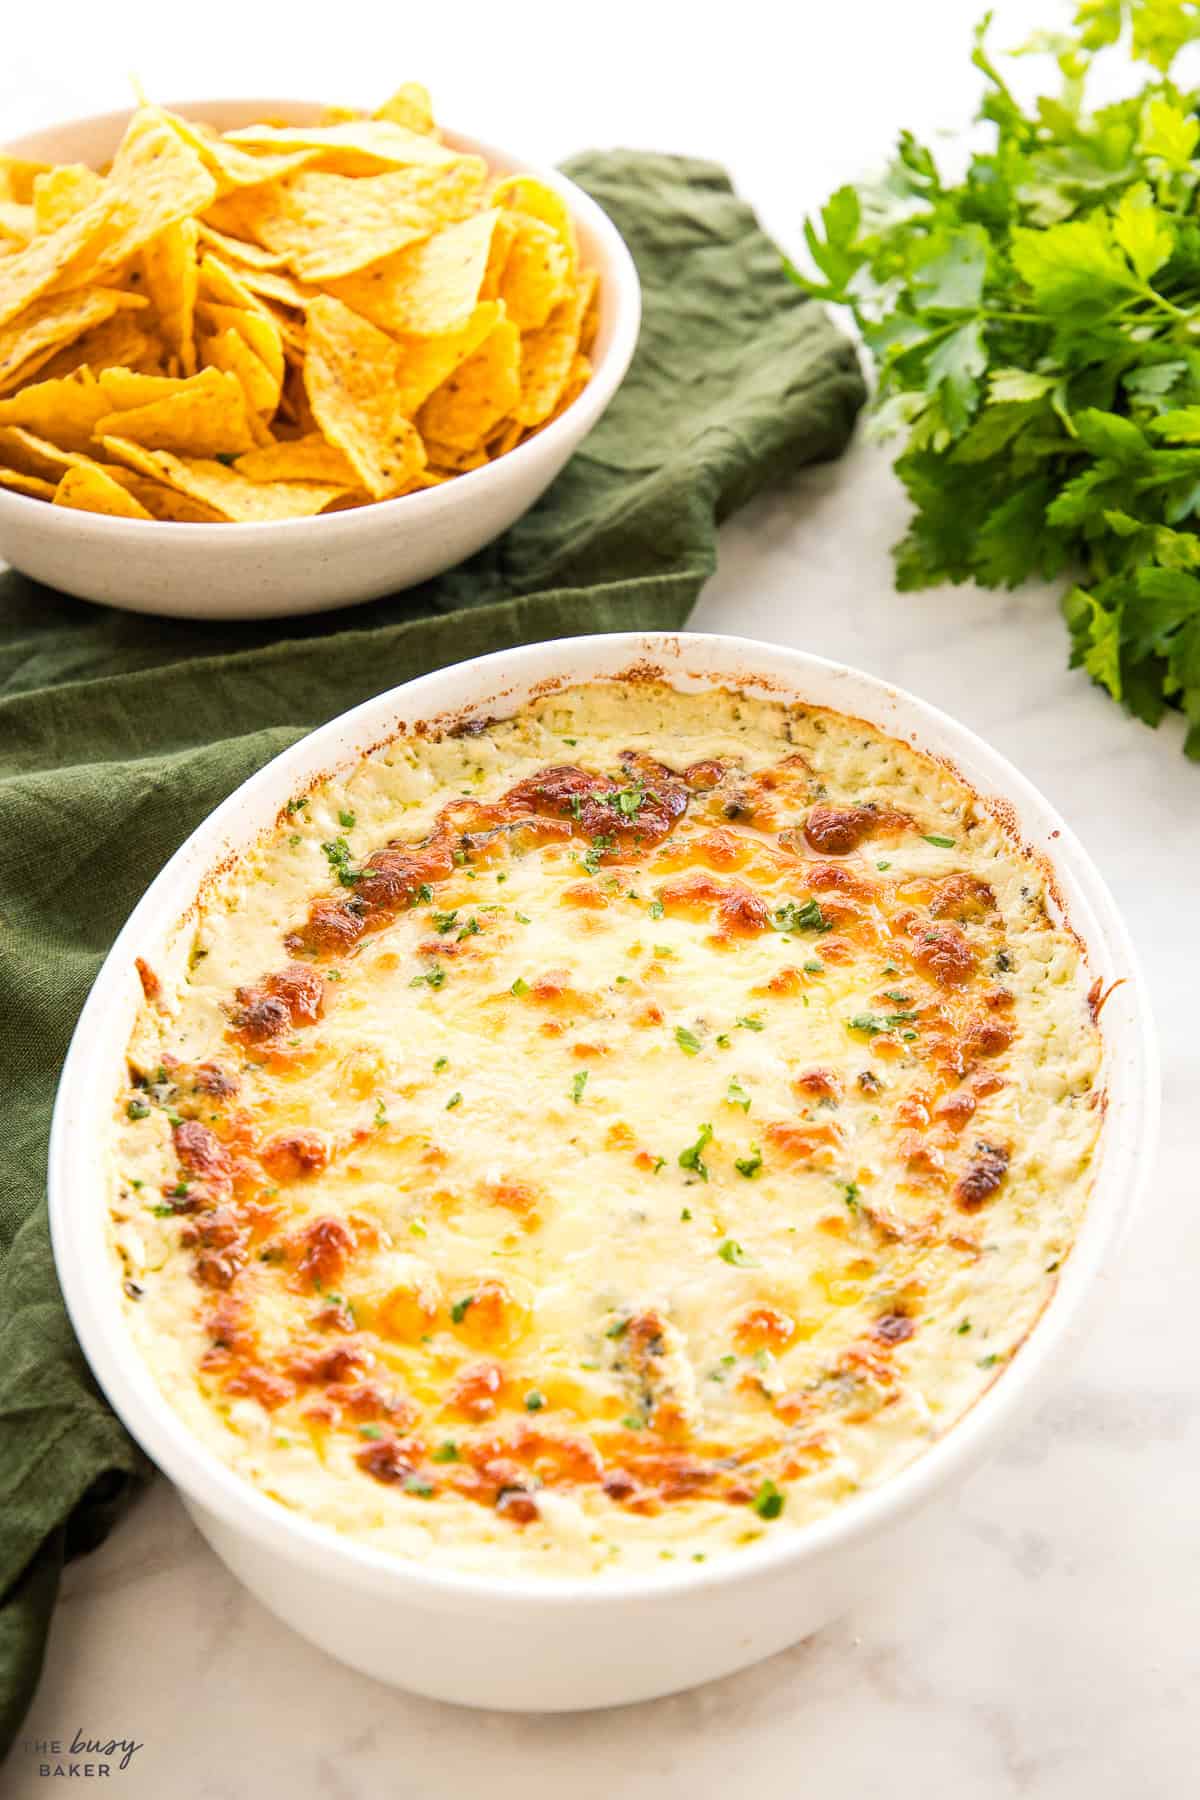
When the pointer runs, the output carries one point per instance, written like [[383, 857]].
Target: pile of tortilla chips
[[280, 321]]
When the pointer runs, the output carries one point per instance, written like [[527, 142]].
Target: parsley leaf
[[1034, 323], [692, 1157]]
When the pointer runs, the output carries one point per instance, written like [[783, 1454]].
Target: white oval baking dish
[[539, 1644]]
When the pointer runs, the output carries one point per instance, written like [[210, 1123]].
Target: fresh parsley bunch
[[1036, 327]]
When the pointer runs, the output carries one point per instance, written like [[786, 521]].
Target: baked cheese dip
[[606, 1135]]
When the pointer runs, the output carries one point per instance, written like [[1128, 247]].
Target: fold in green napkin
[[119, 733]]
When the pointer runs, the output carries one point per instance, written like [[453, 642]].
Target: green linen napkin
[[119, 733]]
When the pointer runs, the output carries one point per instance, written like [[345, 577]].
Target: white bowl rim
[[199, 1473], [579, 417]]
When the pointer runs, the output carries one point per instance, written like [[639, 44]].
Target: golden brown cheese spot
[[962, 896], [293, 996], [737, 909], [839, 830], [943, 953], [763, 1328], [324, 1247], [982, 1176], [476, 1392], [295, 1154]]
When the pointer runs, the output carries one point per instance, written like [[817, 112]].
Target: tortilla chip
[[61, 192], [52, 259], [354, 147], [64, 410], [329, 226], [409, 106], [228, 350], [424, 363], [578, 378], [431, 287], [449, 459], [222, 488], [163, 502], [526, 194], [155, 181], [32, 485], [226, 286], [56, 319], [91, 490], [204, 416], [309, 458], [172, 280], [33, 455], [547, 355], [350, 378], [536, 273], [269, 284], [230, 167], [261, 332], [17, 176], [121, 342], [482, 390], [16, 225], [506, 438], [239, 250]]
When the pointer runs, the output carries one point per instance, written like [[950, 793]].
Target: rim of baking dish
[[95, 1067]]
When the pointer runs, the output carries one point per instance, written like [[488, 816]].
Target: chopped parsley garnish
[[138, 1108], [852, 1191], [347, 820], [791, 916], [180, 1190], [380, 1114], [868, 1023], [522, 918], [686, 1215], [447, 1452], [656, 909], [433, 977], [340, 859], [163, 1212], [768, 1502], [600, 847], [459, 1310], [692, 1157], [440, 1063], [618, 1329], [423, 895], [749, 1165], [632, 1423], [369, 1431], [964, 1327], [445, 921], [628, 801], [814, 968], [736, 1095], [731, 1252], [415, 1484], [534, 1401], [750, 1024], [883, 865], [942, 843], [295, 806], [988, 1362], [687, 1040], [578, 1083], [470, 929], [519, 987], [454, 1100]]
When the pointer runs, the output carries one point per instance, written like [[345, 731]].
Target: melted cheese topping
[[605, 1135]]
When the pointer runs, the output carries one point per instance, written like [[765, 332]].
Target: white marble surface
[[1040, 1638]]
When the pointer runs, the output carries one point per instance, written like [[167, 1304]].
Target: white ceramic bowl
[[309, 565], [539, 1644]]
